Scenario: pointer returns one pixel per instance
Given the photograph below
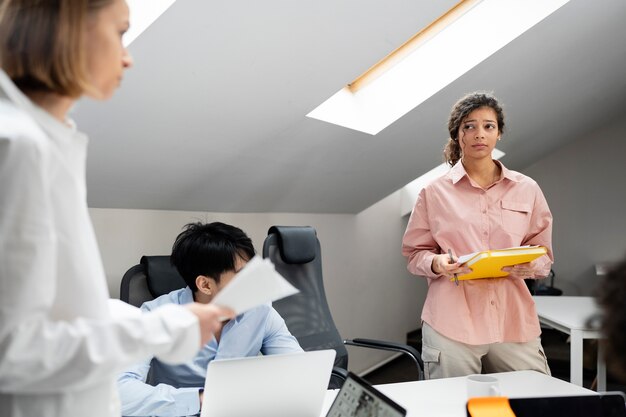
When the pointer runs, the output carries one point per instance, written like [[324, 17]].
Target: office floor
[[555, 345]]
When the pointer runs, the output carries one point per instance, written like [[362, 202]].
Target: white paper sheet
[[257, 283]]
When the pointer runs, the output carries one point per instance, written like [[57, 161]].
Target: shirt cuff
[[428, 262], [187, 401], [543, 266]]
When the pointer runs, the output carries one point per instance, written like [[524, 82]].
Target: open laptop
[[357, 398], [290, 385]]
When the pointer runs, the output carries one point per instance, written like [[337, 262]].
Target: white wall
[[386, 299], [585, 185], [125, 235]]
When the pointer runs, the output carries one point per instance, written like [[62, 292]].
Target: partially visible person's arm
[[40, 355], [418, 244], [141, 399], [277, 338]]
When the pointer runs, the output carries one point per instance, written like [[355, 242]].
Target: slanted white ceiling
[[212, 116]]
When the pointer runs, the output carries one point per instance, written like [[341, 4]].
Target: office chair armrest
[[337, 377], [339, 373], [410, 351]]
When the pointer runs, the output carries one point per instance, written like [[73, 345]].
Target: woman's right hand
[[209, 319], [442, 265]]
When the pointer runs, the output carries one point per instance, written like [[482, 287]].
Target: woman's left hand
[[521, 271]]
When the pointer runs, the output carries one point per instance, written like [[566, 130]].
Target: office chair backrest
[[296, 254], [151, 278]]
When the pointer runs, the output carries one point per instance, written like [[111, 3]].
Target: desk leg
[[601, 367], [576, 358]]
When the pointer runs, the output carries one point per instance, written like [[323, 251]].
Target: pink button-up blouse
[[454, 212]]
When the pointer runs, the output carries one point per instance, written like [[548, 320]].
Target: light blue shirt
[[154, 388]]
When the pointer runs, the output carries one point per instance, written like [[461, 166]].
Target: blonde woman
[[60, 346]]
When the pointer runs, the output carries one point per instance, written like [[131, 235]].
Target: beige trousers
[[445, 357]]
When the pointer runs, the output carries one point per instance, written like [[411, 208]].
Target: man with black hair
[[207, 256]]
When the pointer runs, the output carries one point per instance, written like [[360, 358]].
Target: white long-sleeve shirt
[[60, 347]]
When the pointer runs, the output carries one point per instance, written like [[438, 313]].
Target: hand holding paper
[[257, 283]]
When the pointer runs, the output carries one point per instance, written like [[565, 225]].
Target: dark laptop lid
[[357, 398]]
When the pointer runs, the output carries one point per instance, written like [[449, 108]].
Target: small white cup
[[482, 386]]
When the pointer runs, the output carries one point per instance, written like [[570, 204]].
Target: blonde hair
[[42, 44]]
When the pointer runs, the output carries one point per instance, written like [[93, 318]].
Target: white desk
[[447, 397], [570, 315]]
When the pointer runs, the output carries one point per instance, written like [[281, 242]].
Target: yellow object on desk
[[489, 407], [489, 263]]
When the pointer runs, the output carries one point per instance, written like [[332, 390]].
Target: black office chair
[[538, 287], [151, 278], [296, 254]]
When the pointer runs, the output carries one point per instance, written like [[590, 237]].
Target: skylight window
[[142, 14], [431, 60]]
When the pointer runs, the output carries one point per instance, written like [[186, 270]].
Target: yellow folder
[[489, 263]]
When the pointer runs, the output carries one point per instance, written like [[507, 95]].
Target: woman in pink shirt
[[485, 324]]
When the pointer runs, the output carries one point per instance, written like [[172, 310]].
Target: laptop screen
[[359, 399]]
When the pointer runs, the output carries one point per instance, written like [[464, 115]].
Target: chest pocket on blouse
[[515, 217]]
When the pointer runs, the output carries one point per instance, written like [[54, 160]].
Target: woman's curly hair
[[612, 300], [461, 109]]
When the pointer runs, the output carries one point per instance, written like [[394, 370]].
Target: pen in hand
[[456, 278]]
